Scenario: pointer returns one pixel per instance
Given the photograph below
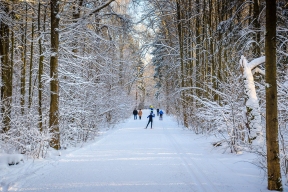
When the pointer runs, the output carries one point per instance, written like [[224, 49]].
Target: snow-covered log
[[252, 104]]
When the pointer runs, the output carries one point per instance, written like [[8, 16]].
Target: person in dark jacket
[[150, 119], [161, 114], [135, 113]]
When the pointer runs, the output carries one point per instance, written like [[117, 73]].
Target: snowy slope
[[131, 158]]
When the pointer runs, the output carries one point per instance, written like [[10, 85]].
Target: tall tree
[[31, 63], [6, 89], [256, 12], [181, 52], [273, 162], [54, 84], [40, 64], [23, 57]]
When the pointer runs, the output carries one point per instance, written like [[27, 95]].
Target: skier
[[135, 113], [150, 119], [140, 114], [157, 112], [161, 114]]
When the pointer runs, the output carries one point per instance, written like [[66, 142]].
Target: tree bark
[[23, 68], [76, 16], [40, 68], [6, 73], [273, 161], [54, 84], [31, 65], [181, 51], [256, 12]]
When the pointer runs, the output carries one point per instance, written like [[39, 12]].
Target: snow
[[53, 54], [9, 159], [252, 102], [255, 62], [130, 158]]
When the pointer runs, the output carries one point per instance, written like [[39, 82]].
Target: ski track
[[200, 177], [130, 158]]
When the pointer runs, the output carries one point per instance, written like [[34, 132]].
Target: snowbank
[[10, 159]]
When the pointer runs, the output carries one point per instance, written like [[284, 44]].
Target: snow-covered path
[[131, 158]]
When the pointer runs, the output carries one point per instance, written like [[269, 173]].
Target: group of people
[[139, 113], [160, 113], [150, 116]]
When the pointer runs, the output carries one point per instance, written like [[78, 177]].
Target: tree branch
[[254, 63], [98, 9]]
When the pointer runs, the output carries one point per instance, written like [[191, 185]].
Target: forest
[[70, 68]]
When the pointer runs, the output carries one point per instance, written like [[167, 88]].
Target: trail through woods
[[131, 158]]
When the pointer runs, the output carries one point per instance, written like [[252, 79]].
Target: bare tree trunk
[[273, 161], [23, 68], [190, 63], [40, 68], [168, 37], [31, 65], [256, 12], [12, 40], [10, 75], [76, 16], [181, 50], [6, 89], [212, 41], [121, 63], [197, 47], [54, 84], [219, 75], [205, 62]]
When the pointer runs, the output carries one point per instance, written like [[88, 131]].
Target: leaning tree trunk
[[54, 84], [273, 161], [252, 105]]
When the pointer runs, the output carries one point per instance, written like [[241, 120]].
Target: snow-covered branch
[[258, 70], [98, 9], [254, 63]]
